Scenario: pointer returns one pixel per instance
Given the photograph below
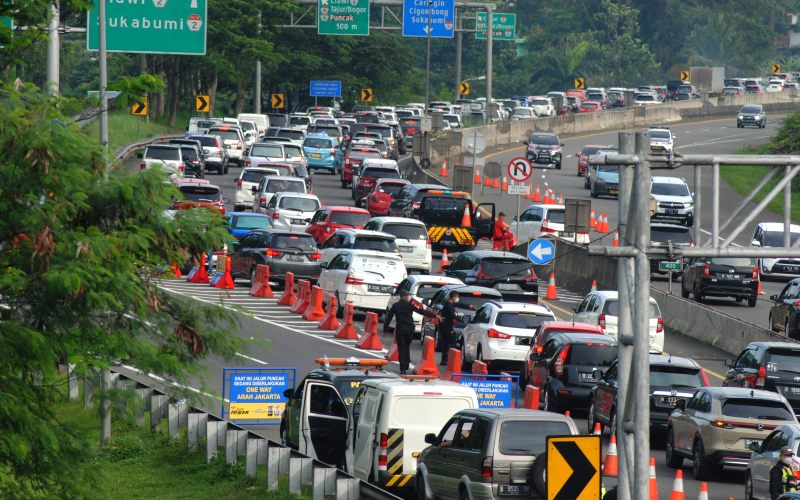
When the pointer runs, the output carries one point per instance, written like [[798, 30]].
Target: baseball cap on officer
[[786, 451]]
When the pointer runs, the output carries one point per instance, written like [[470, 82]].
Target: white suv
[[357, 239], [674, 200], [248, 179], [770, 234], [166, 156], [661, 140], [292, 211], [602, 308], [543, 106], [500, 333], [364, 277], [412, 240]]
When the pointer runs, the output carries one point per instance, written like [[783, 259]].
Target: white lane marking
[[250, 358], [720, 140], [718, 237]]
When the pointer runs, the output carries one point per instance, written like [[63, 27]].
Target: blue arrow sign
[[442, 18], [541, 252], [325, 88]]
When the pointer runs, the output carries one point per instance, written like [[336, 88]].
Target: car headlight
[[688, 204], [758, 118], [741, 117]]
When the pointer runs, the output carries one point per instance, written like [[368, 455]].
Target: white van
[[261, 121], [365, 277], [390, 421]]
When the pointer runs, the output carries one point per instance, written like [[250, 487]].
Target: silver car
[[765, 456]]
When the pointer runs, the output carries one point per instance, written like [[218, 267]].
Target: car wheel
[[462, 493], [748, 487], [690, 221], [466, 366], [751, 302], [698, 297], [673, 459], [772, 324], [700, 466], [590, 418]]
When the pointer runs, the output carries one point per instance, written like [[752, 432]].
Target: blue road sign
[[325, 88], [442, 18], [541, 252]]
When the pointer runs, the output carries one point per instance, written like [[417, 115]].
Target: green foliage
[[133, 87], [80, 254]]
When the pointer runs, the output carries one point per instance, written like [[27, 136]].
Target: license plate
[[380, 288], [732, 276], [523, 341], [297, 221], [669, 400], [294, 258], [507, 286], [316, 155], [748, 442], [585, 376], [672, 211], [565, 234], [790, 269], [514, 489], [406, 249], [613, 191]]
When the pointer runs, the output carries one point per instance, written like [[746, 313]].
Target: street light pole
[[428, 60], [53, 47], [101, 15], [489, 30], [257, 89], [459, 41]]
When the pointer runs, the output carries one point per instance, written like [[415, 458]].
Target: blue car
[[241, 223], [322, 151], [604, 180]]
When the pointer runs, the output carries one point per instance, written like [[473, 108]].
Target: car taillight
[[660, 325], [352, 280], [546, 227], [333, 151], [272, 253], [239, 183], [486, 467], [481, 275], [495, 334], [706, 269], [315, 256], [762, 376], [428, 243], [384, 443], [755, 273], [275, 214], [142, 166], [262, 200], [558, 366], [247, 163], [601, 321]]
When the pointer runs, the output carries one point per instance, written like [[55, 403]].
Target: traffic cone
[[531, 401], [226, 281], [611, 465], [504, 185], [530, 192], [653, 483], [567, 414], [477, 178], [552, 294], [677, 487], [314, 311], [303, 297], [615, 241], [261, 287], [347, 330], [176, 270], [560, 198], [454, 362], [496, 183], [593, 220], [594, 285], [466, 219], [487, 181], [199, 273], [370, 340], [288, 298], [703, 491], [537, 196], [427, 363], [445, 261], [330, 322], [598, 431], [760, 290], [602, 224], [443, 171], [393, 354]]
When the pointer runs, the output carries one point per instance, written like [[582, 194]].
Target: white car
[[542, 220], [271, 184], [248, 179], [411, 236], [233, 138], [674, 200], [770, 234], [292, 211], [500, 333], [661, 140], [421, 287], [543, 106], [774, 85], [166, 156], [646, 100], [250, 131], [602, 308], [357, 239], [523, 113], [364, 277], [299, 121], [261, 152], [261, 121]]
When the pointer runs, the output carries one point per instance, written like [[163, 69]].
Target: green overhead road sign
[[504, 26], [151, 26], [343, 17]]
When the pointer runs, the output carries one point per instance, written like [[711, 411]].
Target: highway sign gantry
[[151, 26], [540, 252], [325, 88], [139, 108], [440, 23], [685, 75], [775, 68], [463, 88], [367, 94], [579, 83], [504, 25], [202, 103], [343, 17], [277, 101], [520, 169], [573, 468]]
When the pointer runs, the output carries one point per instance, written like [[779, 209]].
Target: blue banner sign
[[255, 395], [494, 391], [325, 88]]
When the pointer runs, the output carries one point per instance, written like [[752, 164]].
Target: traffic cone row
[[552, 293]]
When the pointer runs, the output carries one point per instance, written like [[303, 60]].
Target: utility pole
[[489, 30], [428, 60], [53, 48], [101, 15], [459, 41], [257, 90]]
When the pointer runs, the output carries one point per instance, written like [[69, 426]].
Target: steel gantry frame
[[633, 273]]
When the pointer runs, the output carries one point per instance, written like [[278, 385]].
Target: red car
[[326, 220], [543, 334], [382, 194], [590, 107], [198, 193], [353, 159], [583, 157]]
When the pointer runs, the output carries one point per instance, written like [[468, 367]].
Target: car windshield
[[206, 140], [328, 130], [248, 125], [154, 153], [295, 135], [294, 241], [594, 97], [250, 222], [299, 120], [750, 109], [556, 216], [523, 112], [278, 120], [300, 204], [664, 234], [525, 320], [362, 155], [673, 376], [646, 98], [607, 169], [775, 238], [477, 299], [543, 139], [528, 437], [348, 388], [756, 408], [380, 173], [375, 243], [355, 219], [590, 150], [505, 268], [279, 185], [200, 193], [313, 142], [406, 231], [390, 188], [591, 354], [293, 152], [659, 134], [382, 131], [669, 189], [733, 261], [785, 360], [267, 151], [540, 102], [612, 309]]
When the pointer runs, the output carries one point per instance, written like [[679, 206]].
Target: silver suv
[[674, 200]]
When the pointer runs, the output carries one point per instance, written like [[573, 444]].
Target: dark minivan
[[510, 274], [735, 277], [771, 366]]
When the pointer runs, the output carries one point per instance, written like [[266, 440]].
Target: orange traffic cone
[[454, 363], [445, 261], [560, 198], [504, 185], [477, 178], [176, 270], [703, 491], [677, 487], [546, 199], [427, 363], [346, 329], [466, 219], [602, 224], [370, 340], [496, 183], [615, 241], [592, 220], [487, 181], [393, 354], [594, 285], [261, 287], [530, 192], [760, 290], [611, 465], [598, 431], [552, 294], [314, 311], [199, 273], [443, 171], [303, 297], [226, 280], [330, 322], [537, 196], [288, 298], [531, 400], [653, 484]]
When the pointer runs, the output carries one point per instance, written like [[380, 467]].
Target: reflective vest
[[787, 479]]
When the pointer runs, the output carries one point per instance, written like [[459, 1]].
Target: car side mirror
[[431, 438], [753, 446], [140, 155], [254, 189], [466, 318], [597, 374], [323, 265], [755, 243], [680, 404], [773, 298], [288, 393], [729, 362]]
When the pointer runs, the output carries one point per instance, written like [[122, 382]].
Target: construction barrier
[[261, 286], [347, 330], [303, 297], [480, 368], [392, 354], [223, 280], [370, 340], [531, 401], [314, 311], [454, 362], [329, 321], [427, 362], [199, 273], [288, 298]]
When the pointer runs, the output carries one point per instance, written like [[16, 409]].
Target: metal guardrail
[[237, 442]]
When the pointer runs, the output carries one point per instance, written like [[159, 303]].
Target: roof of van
[[429, 387]]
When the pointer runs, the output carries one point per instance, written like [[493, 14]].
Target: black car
[[470, 299], [406, 201], [282, 250], [194, 164], [510, 274], [771, 366], [682, 96], [564, 370], [784, 313], [671, 379], [544, 149], [664, 235], [751, 115], [735, 277]]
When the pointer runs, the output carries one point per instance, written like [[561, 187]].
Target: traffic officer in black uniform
[[447, 338], [402, 311], [781, 476]]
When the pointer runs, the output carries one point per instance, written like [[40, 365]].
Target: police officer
[[447, 338], [403, 311], [781, 476]]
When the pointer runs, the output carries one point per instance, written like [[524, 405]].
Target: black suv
[[544, 149], [671, 379], [470, 298], [751, 115], [662, 235], [406, 201], [771, 366], [735, 277], [510, 274], [784, 313], [564, 371]]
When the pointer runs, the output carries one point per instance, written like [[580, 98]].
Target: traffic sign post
[[418, 22], [518, 190], [139, 108], [343, 17], [367, 94], [669, 267], [277, 101], [463, 89], [151, 27], [202, 103], [541, 251], [776, 68], [325, 88], [579, 83], [504, 25], [685, 75], [573, 467], [520, 169]]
